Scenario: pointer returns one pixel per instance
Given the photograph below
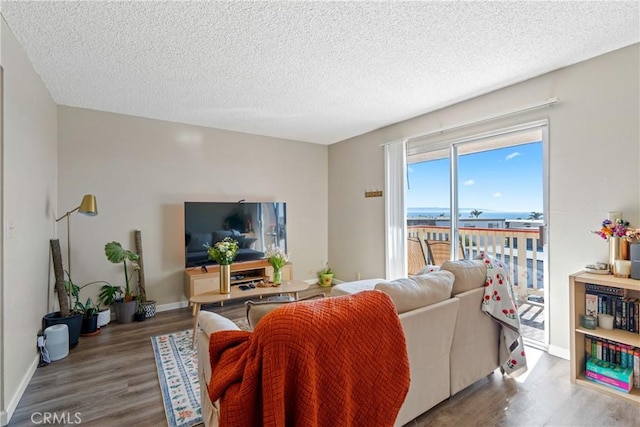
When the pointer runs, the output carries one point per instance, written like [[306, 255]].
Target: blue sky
[[506, 179]]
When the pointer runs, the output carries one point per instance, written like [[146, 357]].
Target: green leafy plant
[[224, 251], [88, 308], [73, 291], [117, 254], [109, 294]]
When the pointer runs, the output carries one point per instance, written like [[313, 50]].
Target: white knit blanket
[[499, 303]]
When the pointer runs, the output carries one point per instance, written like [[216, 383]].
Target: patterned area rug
[[177, 366]]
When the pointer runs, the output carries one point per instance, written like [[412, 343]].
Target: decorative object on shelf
[[597, 268], [605, 321], [589, 322], [622, 268], [277, 259], [618, 234], [224, 252], [326, 275]]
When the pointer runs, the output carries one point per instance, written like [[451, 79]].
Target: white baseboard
[[563, 353], [5, 415], [171, 306]]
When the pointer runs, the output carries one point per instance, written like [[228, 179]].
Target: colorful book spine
[[609, 369], [603, 379]]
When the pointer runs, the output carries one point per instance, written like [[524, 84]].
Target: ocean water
[[464, 213]]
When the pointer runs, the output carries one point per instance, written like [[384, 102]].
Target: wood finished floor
[[111, 380]]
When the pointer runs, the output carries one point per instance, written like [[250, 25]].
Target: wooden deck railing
[[519, 249]]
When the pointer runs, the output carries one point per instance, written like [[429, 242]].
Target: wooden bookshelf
[[577, 306]]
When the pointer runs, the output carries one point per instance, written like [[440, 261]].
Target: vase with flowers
[[277, 258], [224, 252], [619, 235]]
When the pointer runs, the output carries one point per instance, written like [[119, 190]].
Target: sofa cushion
[[211, 322], [256, 310], [418, 291], [469, 274]]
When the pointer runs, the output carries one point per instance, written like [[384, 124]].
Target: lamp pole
[[67, 215]]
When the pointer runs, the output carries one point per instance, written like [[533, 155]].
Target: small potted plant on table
[[326, 275]]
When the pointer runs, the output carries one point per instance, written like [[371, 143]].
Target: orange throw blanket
[[338, 361]]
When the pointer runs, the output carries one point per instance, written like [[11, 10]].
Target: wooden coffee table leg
[[196, 310]]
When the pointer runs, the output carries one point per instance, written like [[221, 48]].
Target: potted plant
[[89, 317], [326, 275], [107, 298], [126, 306], [140, 314]]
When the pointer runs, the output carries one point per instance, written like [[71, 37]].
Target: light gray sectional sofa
[[451, 342]]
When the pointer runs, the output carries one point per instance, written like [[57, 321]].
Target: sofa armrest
[[208, 323], [476, 342]]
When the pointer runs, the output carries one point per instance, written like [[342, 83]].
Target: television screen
[[255, 226]]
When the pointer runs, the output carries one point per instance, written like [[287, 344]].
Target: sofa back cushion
[[418, 291], [469, 274]]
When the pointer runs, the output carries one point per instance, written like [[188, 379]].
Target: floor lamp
[[88, 207]]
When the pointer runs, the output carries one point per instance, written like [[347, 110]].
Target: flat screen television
[[254, 225]]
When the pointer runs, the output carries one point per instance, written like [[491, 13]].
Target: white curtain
[[395, 169]]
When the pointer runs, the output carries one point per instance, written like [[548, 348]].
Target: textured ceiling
[[308, 71]]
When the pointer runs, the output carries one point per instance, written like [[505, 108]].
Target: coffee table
[[287, 287]]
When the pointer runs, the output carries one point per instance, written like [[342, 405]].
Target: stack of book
[[620, 358], [609, 374], [625, 310]]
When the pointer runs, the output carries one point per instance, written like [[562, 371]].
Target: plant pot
[[89, 325], [104, 317], [74, 323], [125, 311], [139, 317], [149, 308], [326, 279]]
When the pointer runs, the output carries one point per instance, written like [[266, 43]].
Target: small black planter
[[89, 325], [74, 323], [139, 317]]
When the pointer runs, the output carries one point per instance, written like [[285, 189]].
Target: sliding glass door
[[484, 193]]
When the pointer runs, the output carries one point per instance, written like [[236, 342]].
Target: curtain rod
[[549, 102]]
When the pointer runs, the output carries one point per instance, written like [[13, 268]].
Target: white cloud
[[513, 155], [469, 182], [497, 194]]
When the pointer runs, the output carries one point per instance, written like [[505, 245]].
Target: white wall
[[142, 171], [594, 158], [29, 165]]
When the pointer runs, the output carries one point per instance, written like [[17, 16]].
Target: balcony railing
[[520, 249]]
